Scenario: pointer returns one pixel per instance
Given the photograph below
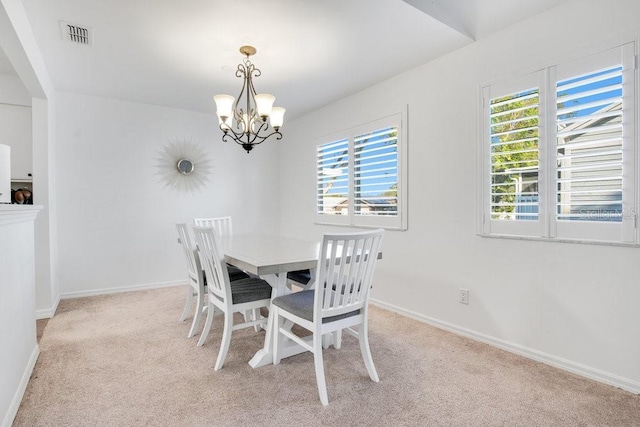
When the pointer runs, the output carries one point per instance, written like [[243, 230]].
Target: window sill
[[557, 240], [384, 227]]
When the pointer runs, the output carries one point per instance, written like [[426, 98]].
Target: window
[[589, 147], [514, 155], [360, 177], [559, 152]]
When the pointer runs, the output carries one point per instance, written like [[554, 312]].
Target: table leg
[[264, 356]]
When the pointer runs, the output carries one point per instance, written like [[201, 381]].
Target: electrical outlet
[[464, 296]]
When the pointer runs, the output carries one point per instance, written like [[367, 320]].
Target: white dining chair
[[223, 227], [339, 301], [222, 224], [195, 278], [245, 295]]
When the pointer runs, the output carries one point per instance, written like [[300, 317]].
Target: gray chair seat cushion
[[301, 305], [300, 276], [251, 289], [235, 273]]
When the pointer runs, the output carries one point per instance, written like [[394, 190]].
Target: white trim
[[22, 387], [106, 291], [508, 87], [48, 313], [636, 132], [557, 362], [10, 214], [562, 240]]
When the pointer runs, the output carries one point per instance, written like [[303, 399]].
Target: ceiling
[[311, 53], [5, 65]]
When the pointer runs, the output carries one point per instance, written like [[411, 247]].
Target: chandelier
[[251, 119]]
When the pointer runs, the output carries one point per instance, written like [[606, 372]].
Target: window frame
[[397, 222], [548, 227], [512, 228]]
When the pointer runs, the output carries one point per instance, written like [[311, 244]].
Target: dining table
[[271, 257]]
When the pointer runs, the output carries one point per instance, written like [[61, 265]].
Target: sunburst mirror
[[184, 166]]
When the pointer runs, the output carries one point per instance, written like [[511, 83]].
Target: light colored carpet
[[125, 360]]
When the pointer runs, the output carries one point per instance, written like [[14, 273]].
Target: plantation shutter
[[589, 148], [514, 156], [376, 172], [361, 175], [332, 161]]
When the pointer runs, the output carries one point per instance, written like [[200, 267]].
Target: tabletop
[[266, 254]]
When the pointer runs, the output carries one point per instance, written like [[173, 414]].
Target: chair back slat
[[221, 224], [345, 272], [212, 260], [190, 253]]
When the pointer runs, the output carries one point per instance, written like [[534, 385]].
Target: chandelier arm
[[230, 133], [237, 137], [249, 98], [241, 72], [264, 138], [254, 135], [252, 106], [253, 72]]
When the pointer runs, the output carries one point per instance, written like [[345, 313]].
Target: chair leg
[[317, 360], [327, 340], [337, 339], [187, 305], [256, 316], [277, 336], [197, 316], [363, 335], [226, 340], [211, 311]]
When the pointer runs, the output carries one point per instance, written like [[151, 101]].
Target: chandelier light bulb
[[225, 124], [245, 123], [277, 117], [264, 104], [224, 105]]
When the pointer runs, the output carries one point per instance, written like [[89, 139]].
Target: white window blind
[[361, 175], [333, 178], [559, 152], [514, 159], [376, 172], [589, 147]]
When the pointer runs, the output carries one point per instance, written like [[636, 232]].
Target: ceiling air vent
[[76, 33]]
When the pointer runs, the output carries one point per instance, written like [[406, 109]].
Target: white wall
[[12, 91], [571, 305], [18, 43], [115, 220], [47, 288], [17, 296], [15, 131], [19, 349], [15, 124]]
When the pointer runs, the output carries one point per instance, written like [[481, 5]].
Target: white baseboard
[[105, 291], [22, 387], [48, 313], [558, 362]]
